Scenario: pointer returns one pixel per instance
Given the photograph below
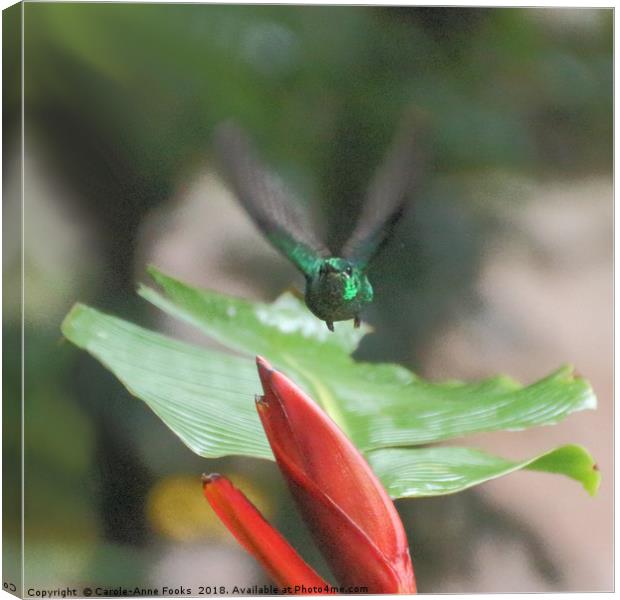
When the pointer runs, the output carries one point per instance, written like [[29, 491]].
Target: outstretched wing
[[274, 210], [385, 199]]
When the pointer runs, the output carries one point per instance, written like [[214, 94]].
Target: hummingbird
[[337, 285]]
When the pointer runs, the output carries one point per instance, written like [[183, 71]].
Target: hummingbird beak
[[329, 268]]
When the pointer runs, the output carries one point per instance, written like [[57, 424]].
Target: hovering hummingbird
[[337, 287]]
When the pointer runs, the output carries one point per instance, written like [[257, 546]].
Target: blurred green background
[[503, 262]]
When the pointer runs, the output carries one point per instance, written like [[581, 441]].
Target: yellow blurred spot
[[177, 509]]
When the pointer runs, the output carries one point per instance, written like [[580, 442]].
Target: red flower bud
[[352, 518]]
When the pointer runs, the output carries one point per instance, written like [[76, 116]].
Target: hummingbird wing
[[385, 199], [271, 206]]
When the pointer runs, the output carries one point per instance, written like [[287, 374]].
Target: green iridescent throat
[[351, 288]]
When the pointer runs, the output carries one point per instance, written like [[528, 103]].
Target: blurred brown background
[[503, 264]]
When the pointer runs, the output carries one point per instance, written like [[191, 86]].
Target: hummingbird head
[[343, 278]]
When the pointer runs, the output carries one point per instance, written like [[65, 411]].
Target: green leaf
[[413, 472], [189, 388], [377, 405], [207, 396]]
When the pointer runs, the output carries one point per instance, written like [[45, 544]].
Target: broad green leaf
[[410, 472], [190, 389], [377, 405]]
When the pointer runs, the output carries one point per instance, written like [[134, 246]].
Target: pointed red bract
[[351, 516], [259, 538]]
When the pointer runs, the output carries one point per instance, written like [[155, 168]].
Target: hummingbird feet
[[356, 323]]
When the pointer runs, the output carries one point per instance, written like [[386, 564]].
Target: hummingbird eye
[[348, 271]]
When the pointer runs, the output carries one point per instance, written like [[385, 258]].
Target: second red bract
[[353, 520]]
